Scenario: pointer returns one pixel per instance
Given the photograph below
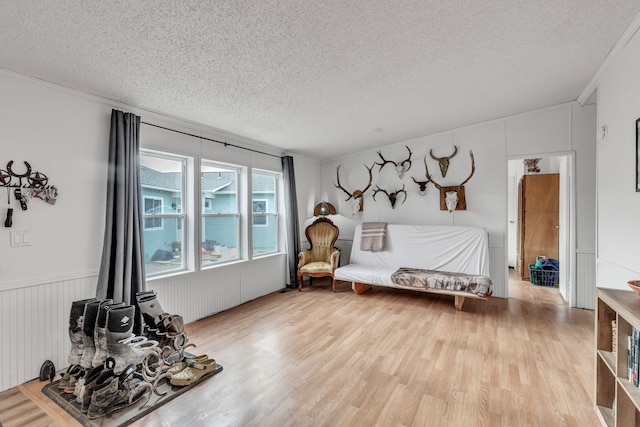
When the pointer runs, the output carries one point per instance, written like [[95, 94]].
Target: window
[[152, 205], [162, 181], [264, 216], [228, 220], [220, 215]]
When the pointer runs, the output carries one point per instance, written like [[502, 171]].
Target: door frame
[[567, 214]]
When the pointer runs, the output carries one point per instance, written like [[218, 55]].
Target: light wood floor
[[387, 358]]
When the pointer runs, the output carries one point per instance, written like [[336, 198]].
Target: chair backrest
[[321, 235]]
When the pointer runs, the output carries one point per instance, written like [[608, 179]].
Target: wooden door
[[538, 219]]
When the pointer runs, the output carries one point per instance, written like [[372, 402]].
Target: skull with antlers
[[393, 197], [456, 201], [357, 195], [422, 185], [444, 161], [401, 167]]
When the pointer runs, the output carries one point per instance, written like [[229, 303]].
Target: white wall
[[65, 135], [618, 202], [561, 129]]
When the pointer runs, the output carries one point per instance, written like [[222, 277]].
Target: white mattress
[[363, 274], [443, 248]]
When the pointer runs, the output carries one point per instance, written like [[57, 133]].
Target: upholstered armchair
[[321, 259]]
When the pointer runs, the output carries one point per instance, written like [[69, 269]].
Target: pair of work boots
[[101, 328]]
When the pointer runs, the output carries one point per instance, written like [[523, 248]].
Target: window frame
[[238, 170], [153, 216], [192, 214], [272, 218], [181, 215], [258, 214]]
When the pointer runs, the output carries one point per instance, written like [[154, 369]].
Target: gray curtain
[[293, 227], [122, 267]]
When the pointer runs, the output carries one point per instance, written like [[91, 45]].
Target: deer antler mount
[[356, 195], [401, 167], [393, 197]]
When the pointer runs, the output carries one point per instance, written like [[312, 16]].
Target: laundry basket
[[542, 277]]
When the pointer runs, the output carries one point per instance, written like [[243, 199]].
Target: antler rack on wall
[[36, 185]]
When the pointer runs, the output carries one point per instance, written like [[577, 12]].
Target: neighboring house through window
[[220, 224], [264, 231], [162, 180], [259, 208], [152, 205]]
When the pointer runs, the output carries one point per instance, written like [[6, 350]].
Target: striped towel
[[372, 238]]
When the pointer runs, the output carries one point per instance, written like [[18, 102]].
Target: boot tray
[[126, 415]]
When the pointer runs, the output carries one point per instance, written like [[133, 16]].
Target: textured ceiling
[[318, 78]]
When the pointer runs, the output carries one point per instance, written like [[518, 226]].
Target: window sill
[[268, 255], [211, 267]]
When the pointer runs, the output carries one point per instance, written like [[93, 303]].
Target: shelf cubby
[[617, 400]]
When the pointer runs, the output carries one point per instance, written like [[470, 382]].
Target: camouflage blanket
[[411, 278]]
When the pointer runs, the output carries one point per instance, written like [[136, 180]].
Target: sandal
[[180, 366], [195, 358], [193, 372]]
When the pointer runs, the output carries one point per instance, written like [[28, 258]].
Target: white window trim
[[275, 215], [240, 173], [181, 215]]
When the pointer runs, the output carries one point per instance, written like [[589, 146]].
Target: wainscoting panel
[[35, 327], [35, 319], [345, 250], [585, 279], [199, 294], [498, 271], [264, 276]]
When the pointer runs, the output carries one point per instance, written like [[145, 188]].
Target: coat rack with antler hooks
[[28, 185]]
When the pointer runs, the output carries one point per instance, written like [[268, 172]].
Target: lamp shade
[[323, 209]]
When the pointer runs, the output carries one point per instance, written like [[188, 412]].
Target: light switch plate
[[20, 238]]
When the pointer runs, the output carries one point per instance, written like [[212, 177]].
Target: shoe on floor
[[195, 370], [118, 393]]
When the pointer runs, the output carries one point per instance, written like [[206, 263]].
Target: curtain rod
[[226, 144]]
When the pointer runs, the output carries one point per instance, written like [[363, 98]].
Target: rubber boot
[[76, 322], [150, 308], [90, 315], [122, 345], [100, 334]]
